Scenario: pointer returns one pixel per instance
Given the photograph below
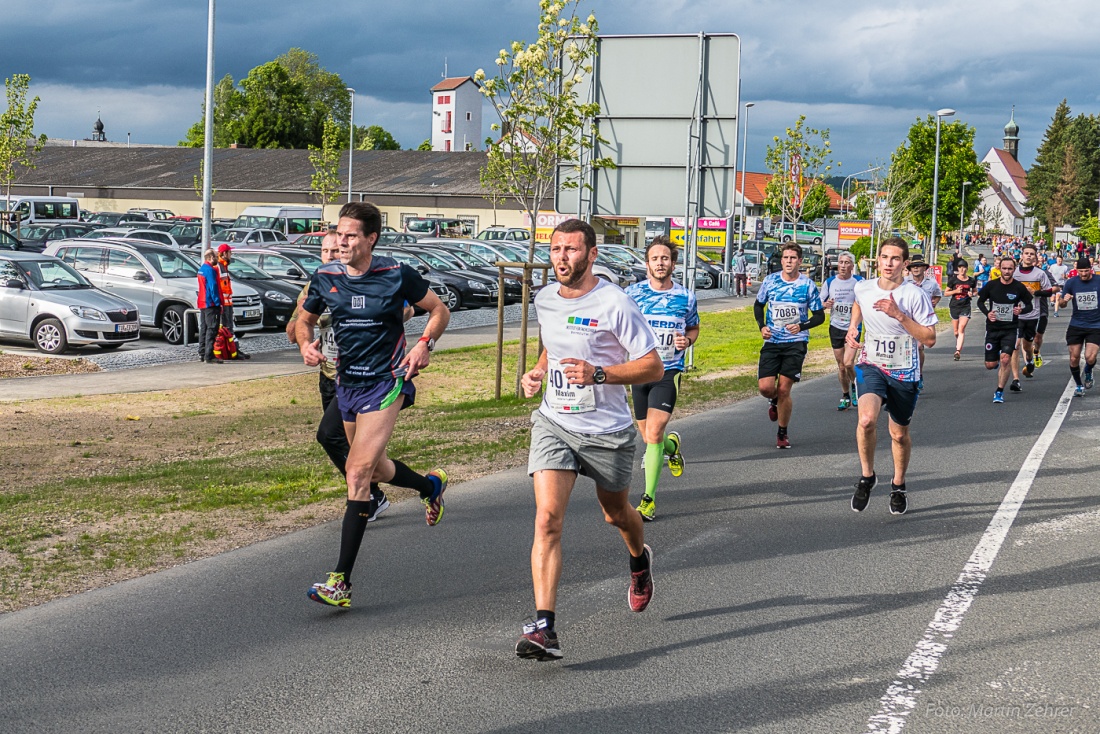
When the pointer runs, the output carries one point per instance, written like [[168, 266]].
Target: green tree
[[799, 163], [426, 145], [326, 94], [375, 137], [1089, 229], [865, 203], [1046, 173], [17, 141], [1084, 136], [276, 113], [228, 105], [914, 162], [325, 160], [861, 248]]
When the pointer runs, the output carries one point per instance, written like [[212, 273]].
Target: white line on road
[[901, 697]]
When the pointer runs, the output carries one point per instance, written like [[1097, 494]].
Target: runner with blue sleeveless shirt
[[366, 295], [673, 315], [899, 316], [838, 295], [787, 306]]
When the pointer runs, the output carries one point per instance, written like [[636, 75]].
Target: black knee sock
[[546, 614], [1076, 372], [782, 431], [351, 536], [375, 491], [639, 563], [403, 476]]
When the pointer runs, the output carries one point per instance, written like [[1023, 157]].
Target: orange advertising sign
[[852, 231]]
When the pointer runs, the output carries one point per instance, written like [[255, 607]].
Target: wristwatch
[[430, 341], [599, 376]]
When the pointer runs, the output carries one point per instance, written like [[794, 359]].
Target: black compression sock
[[351, 536], [403, 476], [639, 563], [1076, 372], [847, 396], [545, 614], [897, 487], [375, 491], [782, 431]]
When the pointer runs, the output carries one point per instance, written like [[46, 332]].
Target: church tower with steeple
[[1012, 136]]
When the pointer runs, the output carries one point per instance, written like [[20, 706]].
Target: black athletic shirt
[[367, 316], [963, 297], [995, 292]]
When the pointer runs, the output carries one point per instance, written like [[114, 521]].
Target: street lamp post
[[933, 243], [844, 186], [208, 136], [962, 209], [744, 164], [351, 139]]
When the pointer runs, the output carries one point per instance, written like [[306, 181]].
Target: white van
[[44, 209], [290, 220]]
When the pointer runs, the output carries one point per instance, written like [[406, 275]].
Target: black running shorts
[[1041, 327], [1078, 335], [782, 359], [659, 395], [838, 337], [899, 398], [958, 311], [1028, 330], [1001, 341]]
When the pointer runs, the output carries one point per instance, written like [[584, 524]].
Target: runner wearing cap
[[838, 295], [918, 269], [1002, 301], [898, 316], [1083, 334]]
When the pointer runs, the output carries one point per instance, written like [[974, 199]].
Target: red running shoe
[[773, 411], [641, 585], [782, 442], [538, 644]]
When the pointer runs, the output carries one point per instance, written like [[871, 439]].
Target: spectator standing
[[740, 267], [210, 307]]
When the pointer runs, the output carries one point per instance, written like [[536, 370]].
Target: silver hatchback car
[[46, 301]]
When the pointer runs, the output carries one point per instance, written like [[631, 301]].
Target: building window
[[469, 116], [447, 145], [444, 99], [447, 122]]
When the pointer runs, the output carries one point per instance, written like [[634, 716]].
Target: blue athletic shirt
[[367, 316], [667, 313], [1086, 299], [775, 293]]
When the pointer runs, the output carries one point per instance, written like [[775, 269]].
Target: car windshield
[[436, 261], [234, 235], [617, 256], [420, 225], [492, 235], [513, 253], [306, 261], [241, 269], [170, 264], [629, 255], [469, 258], [52, 275], [7, 239], [541, 255], [32, 231], [406, 259], [452, 260]]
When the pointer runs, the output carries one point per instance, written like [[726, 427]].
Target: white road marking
[[901, 697]]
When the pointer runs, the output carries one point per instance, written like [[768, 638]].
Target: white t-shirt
[[841, 292], [603, 327], [886, 343], [929, 285]]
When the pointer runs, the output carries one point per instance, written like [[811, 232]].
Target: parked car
[[114, 219], [513, 284], [160, 225], [152, 214], [604, 268], [310, 239], [46, 301], [188, 234], [397, 239], [35, 237], [289, 263], [8, 241], [278, 296], [438, 227], [150, 235], [494, 252], [160, 280], [243, 236], [507, 234], [463, 288], [801, 233]]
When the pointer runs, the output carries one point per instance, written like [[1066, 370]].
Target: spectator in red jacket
[[210, 307]]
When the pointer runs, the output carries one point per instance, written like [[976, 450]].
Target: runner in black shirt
[[960, 288], [366, 295], [1002, 301]]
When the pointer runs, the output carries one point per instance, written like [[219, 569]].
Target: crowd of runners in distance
[[598, 340]]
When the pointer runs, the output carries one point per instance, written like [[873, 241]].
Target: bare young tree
[[17, 142]]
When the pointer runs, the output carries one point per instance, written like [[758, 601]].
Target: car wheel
[[704, 280], [453, 301], [110, 347], [171, 324], [817, 240], [49, 336]]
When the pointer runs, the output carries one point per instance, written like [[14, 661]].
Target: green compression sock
[[669, 446], [654, 461]]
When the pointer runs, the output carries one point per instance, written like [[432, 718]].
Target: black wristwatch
[[599, 376]]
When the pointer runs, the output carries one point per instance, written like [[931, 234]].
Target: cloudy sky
[[866, 70]]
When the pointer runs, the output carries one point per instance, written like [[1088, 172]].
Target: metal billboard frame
[[655, 172]]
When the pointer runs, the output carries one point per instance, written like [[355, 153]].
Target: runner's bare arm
[[531, 382], [291, 330], [303, 333], [852, 337], [439, 316]]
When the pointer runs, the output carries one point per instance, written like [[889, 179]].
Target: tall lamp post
[[933, 245], [208, 136], [744, 165], [962, 210], [351, 140]]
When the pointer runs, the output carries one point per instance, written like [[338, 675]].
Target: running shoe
[[998, 396], [334, 592], [773, 411], [1038, 360], [1029, 369], [538, 644], [647, 508], [1079, 391], [379, 504], [433, 506], [675, 460], [863, 492], [782, 442], [958, 355], [855, 397], [641, 585], [1088, 378], [845, 403], [1015, 386], [898, 503]]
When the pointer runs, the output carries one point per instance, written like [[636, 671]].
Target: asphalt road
[[777, 609]]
